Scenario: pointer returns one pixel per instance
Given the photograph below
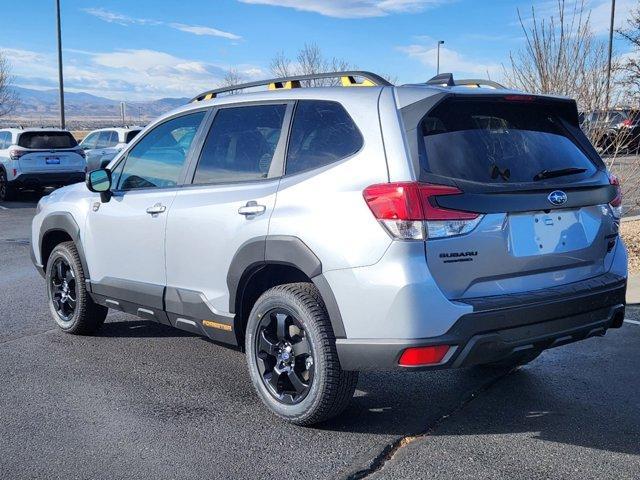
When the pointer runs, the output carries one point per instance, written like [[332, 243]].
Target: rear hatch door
[[543, 193], [47, 151]]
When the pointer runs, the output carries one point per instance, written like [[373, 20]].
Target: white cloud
[[208, 31], [123, 74], [450, 61], [353, 8], [125, 20]]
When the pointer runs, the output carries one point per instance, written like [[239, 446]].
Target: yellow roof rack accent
[[287, 85], [347, 79], [350, 81]]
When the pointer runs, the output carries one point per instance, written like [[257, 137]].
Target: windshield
[[47, 140], [498, 142]]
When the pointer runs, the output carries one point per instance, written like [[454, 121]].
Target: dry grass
[[630, 232]]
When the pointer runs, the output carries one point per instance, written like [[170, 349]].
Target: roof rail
[[446, 80], [347, 79]]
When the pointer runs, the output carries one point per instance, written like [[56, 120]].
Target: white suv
[[102, 145], [331, 230], [35, 158]]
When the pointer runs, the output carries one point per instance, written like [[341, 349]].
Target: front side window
[[5, 140], [89, 143], [322, 133], [241, 144], [158, 158]]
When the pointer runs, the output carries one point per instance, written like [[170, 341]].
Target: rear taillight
[[408, 210], [616, 203], [626, 123], [417, 356], [16, 154]]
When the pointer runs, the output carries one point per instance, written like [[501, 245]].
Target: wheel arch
[[264, 262], [56, 228]]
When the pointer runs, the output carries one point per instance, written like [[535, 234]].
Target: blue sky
[[147, 49]]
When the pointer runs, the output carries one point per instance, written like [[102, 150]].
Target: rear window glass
[[131, 135], [47, 140], [498, 142]]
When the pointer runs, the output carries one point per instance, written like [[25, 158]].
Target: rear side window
[[322, 133], [499, 142], [241, 144], [5, 140], [131, 135], [47, 140]]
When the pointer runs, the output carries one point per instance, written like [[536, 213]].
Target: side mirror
[[99, 181]]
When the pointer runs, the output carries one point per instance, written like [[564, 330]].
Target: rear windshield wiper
[[561, 172]]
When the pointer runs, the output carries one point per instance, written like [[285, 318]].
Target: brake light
[[520, 98], [409, 211], [15, 154], [416, 356], [627, 123], [616, 203]]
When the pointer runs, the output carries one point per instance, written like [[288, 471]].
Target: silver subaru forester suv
[[360, 226]]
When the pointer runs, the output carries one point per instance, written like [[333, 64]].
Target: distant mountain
[[44, 103]]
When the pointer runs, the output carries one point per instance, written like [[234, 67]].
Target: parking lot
[[141, 400]]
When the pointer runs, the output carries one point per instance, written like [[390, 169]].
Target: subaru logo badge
[[557, 197]]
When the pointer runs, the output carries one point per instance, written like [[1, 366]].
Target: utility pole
[[608, 92], [440, 42], [122, 112], [60, 79]]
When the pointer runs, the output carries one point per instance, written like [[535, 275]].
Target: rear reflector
[[409, 210], [416, 356]]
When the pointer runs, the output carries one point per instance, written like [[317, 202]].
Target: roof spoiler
[[446, 80]]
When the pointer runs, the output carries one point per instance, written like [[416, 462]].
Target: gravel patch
[[630, 232]]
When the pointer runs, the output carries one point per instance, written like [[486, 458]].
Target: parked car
[[614, 130], [327, 231], [102, 145], [37, 158]]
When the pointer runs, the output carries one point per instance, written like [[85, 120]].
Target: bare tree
[[309, 60], [630, 67], [231, 78], [561, 56], [8, 98]]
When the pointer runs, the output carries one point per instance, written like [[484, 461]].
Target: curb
[[630, 219], [633, 289]]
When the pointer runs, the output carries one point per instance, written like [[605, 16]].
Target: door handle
[[252, 208], [156, 209]]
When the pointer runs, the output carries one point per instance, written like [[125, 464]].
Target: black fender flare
[[282, 250], [63, 222]]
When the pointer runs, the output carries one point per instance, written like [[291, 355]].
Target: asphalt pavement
[[141, 400]]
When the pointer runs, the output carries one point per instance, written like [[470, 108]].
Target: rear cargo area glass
[[47, 140], [497, 141]]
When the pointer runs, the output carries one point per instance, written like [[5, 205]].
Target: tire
[[71, 306], [515, 361], [7, 191], [322, 390]]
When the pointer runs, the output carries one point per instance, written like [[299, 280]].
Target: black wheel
[[292, 358], [7, 191], [517, 360], [72, 308]]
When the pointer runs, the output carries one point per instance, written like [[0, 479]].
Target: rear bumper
[[47, 179], [506, 325]]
